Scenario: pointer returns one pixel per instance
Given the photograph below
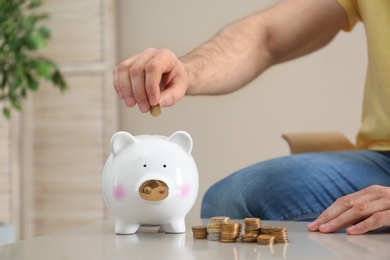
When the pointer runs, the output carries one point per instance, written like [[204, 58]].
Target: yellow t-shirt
[[374, 133]]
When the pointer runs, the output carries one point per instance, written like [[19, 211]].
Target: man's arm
[[233, 57], [244, 49]]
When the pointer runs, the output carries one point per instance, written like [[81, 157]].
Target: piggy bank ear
[[120, 140], [182, 139]]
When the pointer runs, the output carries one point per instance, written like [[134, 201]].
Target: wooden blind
[[9, 171], [67, 155], [65, 136], [4, 172]]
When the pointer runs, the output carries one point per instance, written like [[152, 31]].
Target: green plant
[[21, 66]]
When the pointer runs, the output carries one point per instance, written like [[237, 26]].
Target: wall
[[319, 92]]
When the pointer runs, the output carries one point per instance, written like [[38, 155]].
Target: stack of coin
[[280, 233], [199, 232], [265, 240], [266, 230], [230, 232], [214, 227], [252, 230], [252, 225]]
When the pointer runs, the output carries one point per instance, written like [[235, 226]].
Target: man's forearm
[[230, 60], [244, 49]]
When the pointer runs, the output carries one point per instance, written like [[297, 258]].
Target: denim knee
[[255, 191], [295, 187]]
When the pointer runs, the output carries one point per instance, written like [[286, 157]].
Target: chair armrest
[[317, 142]]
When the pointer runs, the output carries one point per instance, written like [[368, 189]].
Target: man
[[338, 189]]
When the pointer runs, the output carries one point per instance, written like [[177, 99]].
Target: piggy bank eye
[[165, 166], [144, 165]]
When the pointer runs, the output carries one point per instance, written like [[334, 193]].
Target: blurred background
[[52, 153]]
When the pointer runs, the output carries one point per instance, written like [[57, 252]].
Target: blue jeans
[[295, 187]]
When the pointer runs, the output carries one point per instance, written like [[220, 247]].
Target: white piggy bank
[[150, 180]]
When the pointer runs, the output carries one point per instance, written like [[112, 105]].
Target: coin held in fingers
[[155, 110]]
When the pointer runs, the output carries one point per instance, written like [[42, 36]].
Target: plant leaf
[[38, 41], [59, 80], [31, 81], [6, 113], [16, 104], [21, 67], [4, 80], [34, 4], [44, 68], [44, 32]]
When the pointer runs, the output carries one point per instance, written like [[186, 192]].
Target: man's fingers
[[145, 77], [172, 94], [122, 83], [340, 206], [353, 208], [165, 73], [343, 204], [377, 220], [353, 215], [146, 74], [163, 63], [115, 77], [137, 79]]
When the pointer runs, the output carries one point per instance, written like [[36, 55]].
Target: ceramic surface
[[150, 180]]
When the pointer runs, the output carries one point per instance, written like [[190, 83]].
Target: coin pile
[[199, 232], [230, 232], [265, 240], [252, 230], [220, 229], [214, 227], [280, 233]]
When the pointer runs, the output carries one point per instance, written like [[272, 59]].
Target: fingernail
[[129, 101], [324, 227], [153, 101], [143, 108], [165, 102], [161, 102], [351, 230]]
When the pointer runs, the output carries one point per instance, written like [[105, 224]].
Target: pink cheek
[[119, 192], [185, 190]]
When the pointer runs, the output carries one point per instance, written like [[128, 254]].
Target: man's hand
[[359, 212], [149, 78]]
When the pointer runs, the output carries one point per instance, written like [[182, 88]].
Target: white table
[[7, 234], [98, 241]]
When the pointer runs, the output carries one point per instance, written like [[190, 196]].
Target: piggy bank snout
[[153, 190]]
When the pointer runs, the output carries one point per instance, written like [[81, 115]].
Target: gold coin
[[265, 240], [219, 219], [251, 220], [227, 240], [155, 110], [251, 236]]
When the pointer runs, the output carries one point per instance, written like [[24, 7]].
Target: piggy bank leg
[[176, 226], [125, 228]]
